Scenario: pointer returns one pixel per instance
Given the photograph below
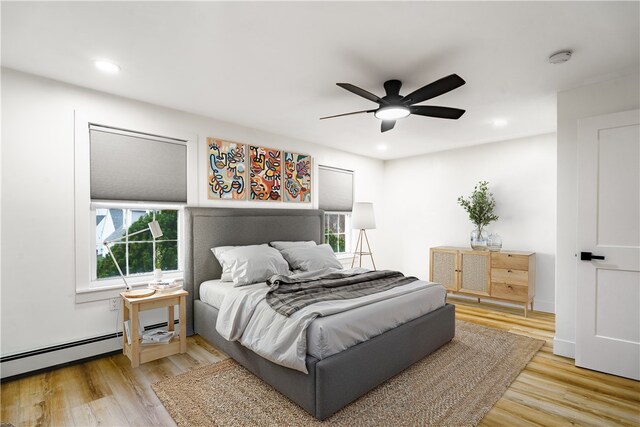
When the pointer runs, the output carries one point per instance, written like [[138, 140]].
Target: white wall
[[421, 209], [602, 98], [38, 282]]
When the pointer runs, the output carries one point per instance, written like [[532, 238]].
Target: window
[[337, 231], [140, 253], [336, 199], [125, 179]]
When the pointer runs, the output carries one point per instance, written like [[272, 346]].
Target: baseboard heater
[[48, 358]]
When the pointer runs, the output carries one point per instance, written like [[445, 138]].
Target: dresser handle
[[508, 271], [509, 255]]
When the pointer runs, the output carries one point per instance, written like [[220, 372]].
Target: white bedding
[[321, 329]]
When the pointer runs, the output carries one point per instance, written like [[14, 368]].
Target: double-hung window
[[135, 179], [336, 199]]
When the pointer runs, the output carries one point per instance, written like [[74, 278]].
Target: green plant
[[480, 205]]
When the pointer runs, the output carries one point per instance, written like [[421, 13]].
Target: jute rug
[[455, 386]]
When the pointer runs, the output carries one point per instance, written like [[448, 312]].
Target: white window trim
[[85, 289], [348, 234]]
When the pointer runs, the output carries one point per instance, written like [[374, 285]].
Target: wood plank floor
[[550, 391]]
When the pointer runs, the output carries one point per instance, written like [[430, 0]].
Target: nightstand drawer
[[510, 261], [510, 292], [509, 276]]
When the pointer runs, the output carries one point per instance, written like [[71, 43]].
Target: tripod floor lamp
[[362, 219], [156, 232]]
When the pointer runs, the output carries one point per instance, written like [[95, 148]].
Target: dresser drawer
[[510, 261], [510, 292], [512, 277]]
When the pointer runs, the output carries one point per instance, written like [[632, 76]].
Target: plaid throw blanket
[[288, 295]]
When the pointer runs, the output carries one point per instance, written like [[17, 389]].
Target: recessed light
[[382, 147], [106, 66], [499, 123]]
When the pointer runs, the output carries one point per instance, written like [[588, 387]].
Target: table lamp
[[362, 219], [156, 232]]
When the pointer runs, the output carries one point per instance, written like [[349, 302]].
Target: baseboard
[[544, 306], [564, 348], [47, 358]]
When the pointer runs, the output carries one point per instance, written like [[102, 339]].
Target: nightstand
[[131, 308]]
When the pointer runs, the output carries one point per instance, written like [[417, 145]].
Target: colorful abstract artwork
[[265, 173], [297, 178], [227, 174]]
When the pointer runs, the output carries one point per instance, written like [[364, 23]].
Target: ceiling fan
[[394, 106]]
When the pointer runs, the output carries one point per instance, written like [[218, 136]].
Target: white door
[[608, 298]]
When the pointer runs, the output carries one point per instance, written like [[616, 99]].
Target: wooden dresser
[[506, 276]]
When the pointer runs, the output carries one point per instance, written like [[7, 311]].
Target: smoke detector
[[560, 57]]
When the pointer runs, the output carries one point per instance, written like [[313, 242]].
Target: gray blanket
[[289, 294]]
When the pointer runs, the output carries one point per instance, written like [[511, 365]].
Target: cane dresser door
[[475, 272], [444, 267]]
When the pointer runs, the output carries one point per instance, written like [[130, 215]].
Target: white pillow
[[286, 245], [252, 264], [310, 258], [226, 270]]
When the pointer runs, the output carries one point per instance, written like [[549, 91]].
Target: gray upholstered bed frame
[[332, 382]]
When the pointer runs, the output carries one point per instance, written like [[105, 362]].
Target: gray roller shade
[[335, 189], [137, 168]]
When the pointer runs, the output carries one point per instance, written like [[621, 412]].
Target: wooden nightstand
[[131, 308]]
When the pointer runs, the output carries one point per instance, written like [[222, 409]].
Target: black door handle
[[588, 256]]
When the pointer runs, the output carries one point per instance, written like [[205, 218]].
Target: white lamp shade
[[362, 217], [154, 226]]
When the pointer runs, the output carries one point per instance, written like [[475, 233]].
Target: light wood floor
[[550, 391]]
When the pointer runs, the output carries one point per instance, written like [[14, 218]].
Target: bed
[[333, 381]]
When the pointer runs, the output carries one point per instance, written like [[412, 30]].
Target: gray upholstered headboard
[[206, 228]]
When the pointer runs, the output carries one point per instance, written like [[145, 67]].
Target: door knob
[[588, 256]]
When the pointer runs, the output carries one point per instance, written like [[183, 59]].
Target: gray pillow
[[286, 245], [252, 264], [311, 258]]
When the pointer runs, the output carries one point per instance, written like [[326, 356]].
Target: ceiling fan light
[[392, 113]]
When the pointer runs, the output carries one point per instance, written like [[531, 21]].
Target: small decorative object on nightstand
[[131, 339]]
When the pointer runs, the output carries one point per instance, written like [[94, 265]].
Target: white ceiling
[[273, 66]]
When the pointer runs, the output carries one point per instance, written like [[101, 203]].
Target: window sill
[[105, 292], [345, 255]]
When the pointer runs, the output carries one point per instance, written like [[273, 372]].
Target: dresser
[[506, 276]]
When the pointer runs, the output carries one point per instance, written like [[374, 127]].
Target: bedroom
[[263, 74]]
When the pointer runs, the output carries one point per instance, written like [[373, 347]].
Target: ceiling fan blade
[[439, 112], [437, 88], [387, 125], [347, 114], [361, 92]]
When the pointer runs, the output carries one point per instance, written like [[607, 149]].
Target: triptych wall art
[[248, 172]]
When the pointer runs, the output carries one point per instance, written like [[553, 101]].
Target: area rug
[[454, 386]]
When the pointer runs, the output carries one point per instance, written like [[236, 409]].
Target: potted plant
[[479, 205]]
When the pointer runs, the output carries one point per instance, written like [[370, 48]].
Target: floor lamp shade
[[362, 217]]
